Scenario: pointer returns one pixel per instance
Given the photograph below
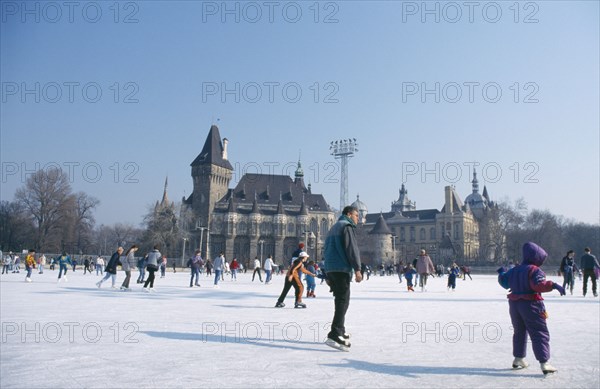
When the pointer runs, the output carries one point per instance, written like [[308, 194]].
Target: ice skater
[[257, 269], [268, 266], [466, 271], [292, 278], [152, 266], [528, 314], [310, 279], [588, 265], [63, 260], [409, 273], [126, 267], [111, 269], [453, 273], [29, 264], [196, 263], [568, 267]]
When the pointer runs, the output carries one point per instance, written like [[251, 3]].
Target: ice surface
[[74, 335]]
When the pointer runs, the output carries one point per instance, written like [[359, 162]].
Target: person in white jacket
[[268, 266], [256, 269]]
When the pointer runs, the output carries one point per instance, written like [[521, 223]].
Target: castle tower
[[211, 173]]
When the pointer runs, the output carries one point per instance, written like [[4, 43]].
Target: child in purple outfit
[[528, 314]]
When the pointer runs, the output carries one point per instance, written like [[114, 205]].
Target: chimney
[[449, 203], [225, 141]]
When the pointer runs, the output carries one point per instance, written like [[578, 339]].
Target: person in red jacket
[[234, 266]]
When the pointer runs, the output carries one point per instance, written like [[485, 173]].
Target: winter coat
[[111, 266], [425, 265], [63, 260], [589, 262], [527, 281], [153, 257], [269, 264], [234, 265], [218, 263], [126, 261], [196, 262], [341, 247]]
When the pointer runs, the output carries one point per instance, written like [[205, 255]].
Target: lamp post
[[183, 252], [261, 242], [201, 235]]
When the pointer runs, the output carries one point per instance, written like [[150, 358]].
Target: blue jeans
[[29, 270], [142, 271], [218, 276], [268, 276], [98, 269], [195, 273], [234, 274], [109, 275], [60, 271]]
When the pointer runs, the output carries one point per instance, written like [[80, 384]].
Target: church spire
[[475, 182], [165, 198]]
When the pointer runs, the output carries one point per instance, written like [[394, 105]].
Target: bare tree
[[46, 198], [16, 229]]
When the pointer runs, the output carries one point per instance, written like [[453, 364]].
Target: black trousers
[[298, 288], [589, 273], [150, 280], [340, 286]]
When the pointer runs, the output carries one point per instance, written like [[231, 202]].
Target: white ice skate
[[548, 368], [519, 363], [27, 279]]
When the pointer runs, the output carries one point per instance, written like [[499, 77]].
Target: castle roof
[[381, 226], [213, 151], [270, 192]]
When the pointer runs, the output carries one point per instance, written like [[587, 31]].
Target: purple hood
[[533, 254]]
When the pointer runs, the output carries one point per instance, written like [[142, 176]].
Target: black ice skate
[[338, 343]]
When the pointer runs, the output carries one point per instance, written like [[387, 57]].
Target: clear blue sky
[[162, 78]]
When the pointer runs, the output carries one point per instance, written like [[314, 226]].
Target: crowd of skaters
[[526, 281]]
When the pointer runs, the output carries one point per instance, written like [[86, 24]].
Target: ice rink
[[74, 335]]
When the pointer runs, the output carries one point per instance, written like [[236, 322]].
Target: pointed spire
[[303, 208], [255, 206], [165, 198], [299, 171], [381, 226], [231, 205], [485, 193], [280, 210], [475, 182]]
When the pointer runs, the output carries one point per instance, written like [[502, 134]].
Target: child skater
[[453, 273], [292, 278], [528, 314], [310, 280], [408, 274]]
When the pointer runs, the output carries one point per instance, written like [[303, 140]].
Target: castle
[[268, 214]]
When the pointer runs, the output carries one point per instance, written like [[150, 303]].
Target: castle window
[[402, 234], [290, 228], [432, 233], [412, 234], [242, 228], [422, 235]]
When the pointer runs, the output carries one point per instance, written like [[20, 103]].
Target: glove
[[501, 270], [560, 289]]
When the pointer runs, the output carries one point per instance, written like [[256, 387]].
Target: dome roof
[[360, 205]]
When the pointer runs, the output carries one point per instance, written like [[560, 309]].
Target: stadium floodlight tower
[[343, 149]]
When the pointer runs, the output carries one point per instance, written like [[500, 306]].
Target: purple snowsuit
[[527, 311]]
